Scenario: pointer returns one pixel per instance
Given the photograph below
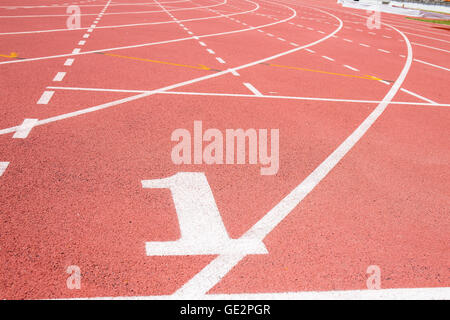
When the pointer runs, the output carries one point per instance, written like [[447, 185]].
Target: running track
[[87, 115]]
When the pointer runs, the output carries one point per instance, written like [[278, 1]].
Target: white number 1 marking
[[201, 226]]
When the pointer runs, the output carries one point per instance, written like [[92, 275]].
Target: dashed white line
[[3, 166], [210, 51], [76, 50], [234, 73], [25, 128], [364, 45], [328, 58], [82, 43], [59, 76], [385, 51], [253, 89], [45, 97], [220, 60], [69, 62], [351, 68]]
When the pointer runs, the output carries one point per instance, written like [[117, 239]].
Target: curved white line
[[116, 13], [88, 5], [132, 24], [153, 43], [213, 273], [149, 93]]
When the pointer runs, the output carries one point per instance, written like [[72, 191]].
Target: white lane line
[[220, 60], [372, 33], [81, 42], [309, 50], [281, 39], [180, 84], [418, 96], [190, 32], [69, 62], [442, 293], [429, 47], [432, 65], [263, 96], [387, 37], [234, 73], [92, 26], [3, 166], [218, 268], [202, 43], [321, 32], [364, 45], [90, 30], [151, 43], [382, 50], [348, 40], [25, 128], [253, 89], [45, 98], [210, 51], [136, 24], [328, 58], [59, 76], [294, 44], [86, 35], [422, 36], [350, 67], [76, 50], [270, 35]]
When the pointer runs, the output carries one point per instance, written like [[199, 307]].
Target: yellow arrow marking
[[11, 55], [200, 66], [367, 77]]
